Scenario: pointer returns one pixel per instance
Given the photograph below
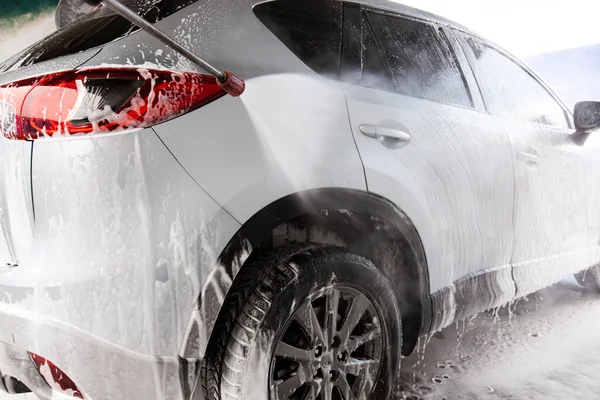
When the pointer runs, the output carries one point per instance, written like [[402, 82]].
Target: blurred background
[[24, 22]]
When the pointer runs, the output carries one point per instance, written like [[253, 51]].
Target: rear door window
[[96, 29], [311, 29], [417, 57]]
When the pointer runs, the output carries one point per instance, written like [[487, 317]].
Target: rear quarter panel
[[288, 132], [123, 241]]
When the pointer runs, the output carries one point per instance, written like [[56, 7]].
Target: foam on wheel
[[320, 324]]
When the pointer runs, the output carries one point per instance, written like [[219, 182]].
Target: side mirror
[[587, 116]]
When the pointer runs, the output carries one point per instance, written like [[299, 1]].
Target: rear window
[[96, 29], [311, 29]]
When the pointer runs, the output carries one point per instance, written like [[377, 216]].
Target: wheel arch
[[330, 216]]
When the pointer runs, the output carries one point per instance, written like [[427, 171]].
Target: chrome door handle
[[392, 138]]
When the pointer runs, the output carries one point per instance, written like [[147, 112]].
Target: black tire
[[359, 351], [589, 279]]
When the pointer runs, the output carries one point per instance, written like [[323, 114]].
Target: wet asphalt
[[543, 347]]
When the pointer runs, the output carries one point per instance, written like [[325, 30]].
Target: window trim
[[467, 70], [462, 39], [349, 70]]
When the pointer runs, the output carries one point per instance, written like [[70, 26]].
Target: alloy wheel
[[330, 349]]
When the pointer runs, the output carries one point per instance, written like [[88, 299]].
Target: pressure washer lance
[[232, 84]]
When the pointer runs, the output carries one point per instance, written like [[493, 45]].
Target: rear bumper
[[123, 244], [100, 369]]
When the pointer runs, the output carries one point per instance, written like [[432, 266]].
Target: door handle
[[389, 137], [531, 157]]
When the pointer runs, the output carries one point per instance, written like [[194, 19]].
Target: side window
[[311, 29], [510, 91], [418, 60]]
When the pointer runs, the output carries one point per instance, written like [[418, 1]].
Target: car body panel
[[472, 294], [440, 189], [123, 241], [118, 221], [557, 205], [260, 153], [16, 208], [105, 370], [557, 228]]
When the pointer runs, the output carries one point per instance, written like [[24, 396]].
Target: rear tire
[[284, 344]]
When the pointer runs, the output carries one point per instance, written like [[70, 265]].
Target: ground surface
[[545, 347]]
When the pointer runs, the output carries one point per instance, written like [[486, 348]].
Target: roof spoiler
[[68, 11]]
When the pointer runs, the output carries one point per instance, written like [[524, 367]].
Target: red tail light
[[100, 101], [57, 379]]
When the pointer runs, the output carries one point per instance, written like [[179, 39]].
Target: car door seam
[[354, 138]]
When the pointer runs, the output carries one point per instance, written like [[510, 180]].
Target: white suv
[[385, 173]]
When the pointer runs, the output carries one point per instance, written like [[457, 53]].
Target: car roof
[[399, 8], [70, 10]]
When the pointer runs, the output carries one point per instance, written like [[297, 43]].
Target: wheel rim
[[331, 349]]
